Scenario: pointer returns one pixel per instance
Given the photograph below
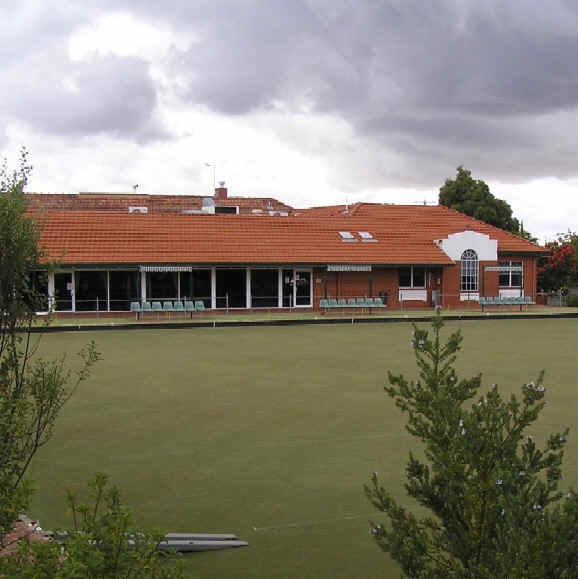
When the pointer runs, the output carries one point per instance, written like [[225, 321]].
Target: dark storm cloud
[[355, 57], [245, 58], [460, 81], [105, 94], [52, 94], [491, 84]]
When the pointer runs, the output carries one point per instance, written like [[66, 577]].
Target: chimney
[[221, 191]]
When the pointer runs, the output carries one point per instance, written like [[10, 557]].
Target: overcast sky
[[312, 102]]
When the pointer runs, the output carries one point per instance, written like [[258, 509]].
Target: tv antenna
[[214, 166]]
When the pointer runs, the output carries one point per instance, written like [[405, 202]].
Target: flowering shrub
[[560, 267], [495, 508]]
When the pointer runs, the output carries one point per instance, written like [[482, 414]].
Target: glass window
[[230, 209], [469, 271], [90, 294], [124, 287], [411, 277], [162, 285], [404, 274], [516, 277], [264, 288], [231, 288], [196, 285], [36, 293], [366, 236], [512, 277], [504, 278], [297, 288], [287, 288], [63, 291], [418, 277], [302, 288]]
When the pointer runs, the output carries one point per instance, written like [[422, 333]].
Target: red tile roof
[[120, 202], [434, 222], [404, 234]]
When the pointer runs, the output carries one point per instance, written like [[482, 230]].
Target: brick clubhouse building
[[253, 253]]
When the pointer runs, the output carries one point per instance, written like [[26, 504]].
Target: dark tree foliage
[[473, 197], [20, 253], [491, 495], [32, 390], [103, 542]]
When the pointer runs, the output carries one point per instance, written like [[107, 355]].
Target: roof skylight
[[366, 236], [347, 236]]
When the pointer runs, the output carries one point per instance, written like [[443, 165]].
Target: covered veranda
[[234, 287]]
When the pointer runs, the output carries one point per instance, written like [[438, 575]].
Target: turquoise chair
[[168, 307], [178, 306], [342, 302], [135, 308], [351, 303], [199, 306], [378, 303], [146, 307], [157, 307], [190, 307], [332, 303], [323, 303]]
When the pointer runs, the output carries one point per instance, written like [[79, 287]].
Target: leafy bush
[[572, 301], [102, 543], [495, 507]]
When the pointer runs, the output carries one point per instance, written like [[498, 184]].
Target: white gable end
[[456, 243]]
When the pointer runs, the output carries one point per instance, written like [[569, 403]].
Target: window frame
[[469, 271], [511, 274], [412, 269]]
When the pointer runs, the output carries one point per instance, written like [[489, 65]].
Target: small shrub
[[572, 301]]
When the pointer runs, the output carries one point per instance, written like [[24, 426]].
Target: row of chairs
[[332, 303], [507, 301], [167, 306]]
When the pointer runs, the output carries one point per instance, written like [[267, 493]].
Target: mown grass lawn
[[270, 433]]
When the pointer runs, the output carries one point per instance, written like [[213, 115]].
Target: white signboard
[[348, 267], [503, 268]]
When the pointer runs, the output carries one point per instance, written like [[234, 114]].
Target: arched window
[[469, 273]]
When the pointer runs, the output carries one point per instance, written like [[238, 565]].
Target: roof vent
[[134, 209]]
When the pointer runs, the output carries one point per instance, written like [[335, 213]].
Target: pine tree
[[495, 507]]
